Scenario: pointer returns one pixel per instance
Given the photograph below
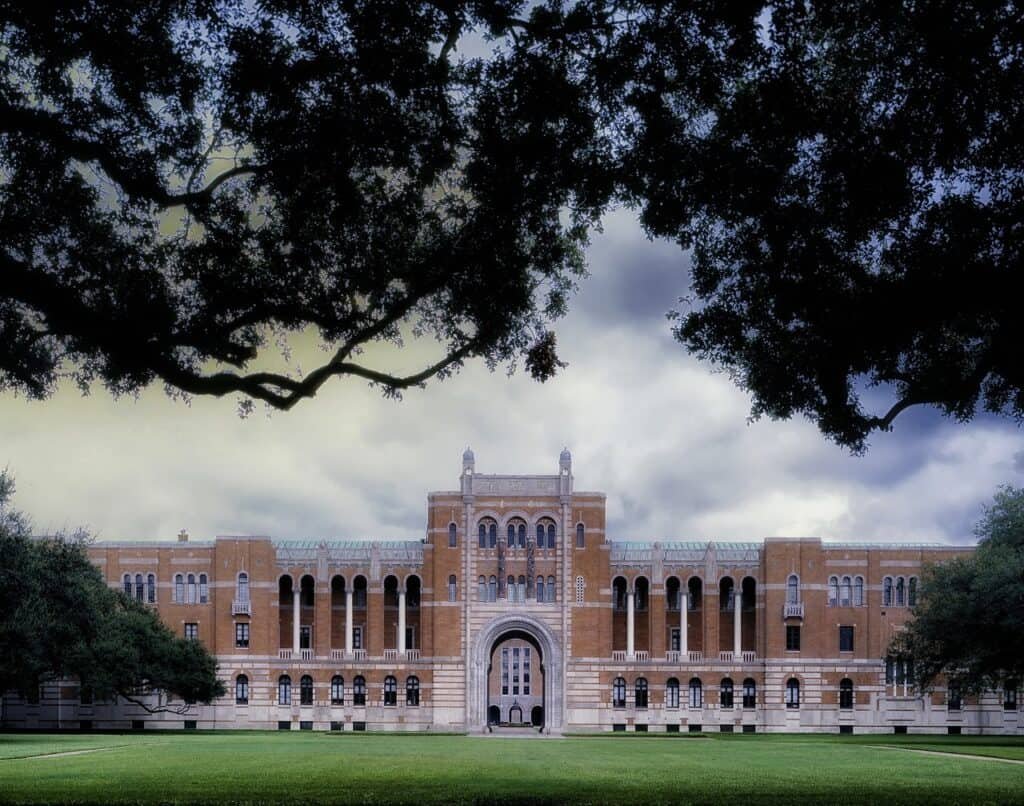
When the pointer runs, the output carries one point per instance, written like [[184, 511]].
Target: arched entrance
[[549, 651], [537, 715]]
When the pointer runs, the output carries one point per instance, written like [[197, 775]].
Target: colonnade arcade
[[686, 622], [351, 612]]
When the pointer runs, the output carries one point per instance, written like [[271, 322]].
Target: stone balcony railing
[[793, 610], [239, 608]]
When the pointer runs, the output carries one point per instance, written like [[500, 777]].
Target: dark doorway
[[493, 715], [537, 716]]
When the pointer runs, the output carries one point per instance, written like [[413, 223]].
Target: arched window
[[887, 592], [492, 589], [390, 690], [550, 591], [749, 693], [284, 690], [337, 690], [521, 589], [900, 592], [833, 591], [204, 589], [510, 588], [412, 690], [912, 592], [242, 587], [540, 535], [858, 592], [127, 583], [619, 693], [672, 594], [725, 693], [481, 585], [151, 589], [792, 693], [241, 690], [140, 588], [412, 591], [540, 589], [511, 541], [696, 693], [672, 693], [845, 592], [359, 592], [551, 535], [793, 589], [305, 690], [359, 690], [179, 588], [581, 586], [190, 589], [619, 594], [487, 533], [453, 533], [581, 540], [726, 591], [846, 693], [694, 590], [453, 588], [640, 692], [640, 587]]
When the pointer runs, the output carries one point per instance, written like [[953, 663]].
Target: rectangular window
[[846, 639], [192, 631], [674, 640], [305, 637], [515, 670], [305, 725], [357, 637], [792, 639], [410, 638], [526, 671], [242, 634], [504, 670], [1010, 698], [190, 724], [283, 724]]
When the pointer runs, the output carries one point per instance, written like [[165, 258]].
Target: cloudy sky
[[663, 435]]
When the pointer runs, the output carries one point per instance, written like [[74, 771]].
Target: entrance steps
[[526, 732]]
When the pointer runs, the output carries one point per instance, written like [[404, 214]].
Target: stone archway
[[551, 658]]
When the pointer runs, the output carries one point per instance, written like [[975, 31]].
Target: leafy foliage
[[968, 625], [59, 619], [183, 182]]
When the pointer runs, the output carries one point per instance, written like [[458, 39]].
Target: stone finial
[[183, 536], [468, 460]]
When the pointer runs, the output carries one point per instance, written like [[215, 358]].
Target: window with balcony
[[242, 588]]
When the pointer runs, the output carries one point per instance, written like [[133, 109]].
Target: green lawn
[[373, 768]]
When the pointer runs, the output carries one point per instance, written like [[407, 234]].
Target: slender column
[[629, 625], [684, 606], [348, 621], [296, 616], [401, 622], [737, 625]]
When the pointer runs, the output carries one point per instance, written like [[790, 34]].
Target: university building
[[518, 609]]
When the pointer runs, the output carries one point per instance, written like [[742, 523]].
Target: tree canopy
[[968, 625], [182, 183], [58, 619]]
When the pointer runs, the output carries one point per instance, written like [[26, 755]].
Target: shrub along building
[[517, 609]]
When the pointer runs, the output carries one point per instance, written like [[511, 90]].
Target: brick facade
[[570, 603]]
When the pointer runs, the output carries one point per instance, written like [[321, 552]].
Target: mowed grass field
[[254, 767]]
